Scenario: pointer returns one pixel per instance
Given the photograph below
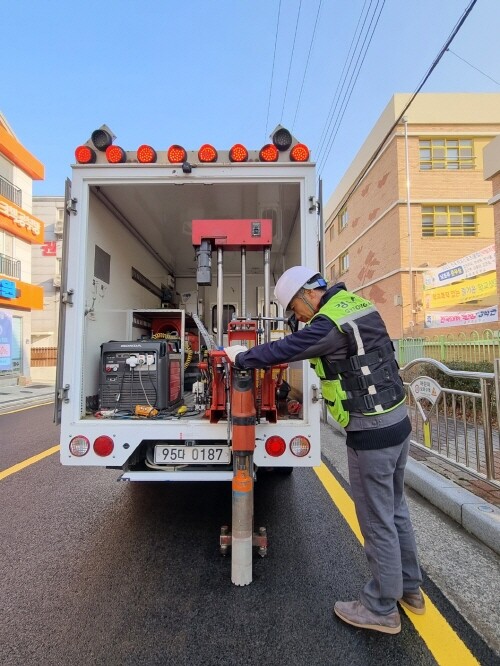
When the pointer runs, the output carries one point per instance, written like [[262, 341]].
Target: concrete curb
[[471, 512], [16, 404]]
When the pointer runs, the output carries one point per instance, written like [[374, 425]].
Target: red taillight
[[115, 154], [300, 446], [176, 154], [146, 154], [79, 446], [103, 446], [268, 153], [275, 446], [207, 153], [238, 153], [299, 153], [85, 155]]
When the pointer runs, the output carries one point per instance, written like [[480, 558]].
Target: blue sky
[[196, 71]]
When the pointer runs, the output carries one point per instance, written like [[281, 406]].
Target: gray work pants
[[377, 485]]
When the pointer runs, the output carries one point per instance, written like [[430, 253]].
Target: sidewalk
[[473, 503], [13, 398]]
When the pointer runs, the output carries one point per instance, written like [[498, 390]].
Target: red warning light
[[176, 154], [207, 153], [299, 153], [85, 155], [238, 153], [146, 154], [115, 155], [269, 153]]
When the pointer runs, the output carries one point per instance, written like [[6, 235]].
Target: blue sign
[[7, 289]]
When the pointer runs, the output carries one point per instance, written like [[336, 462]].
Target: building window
[[344, 263], [332, 231], [333, 274], [449, 221], [343, 219], [451, 154]]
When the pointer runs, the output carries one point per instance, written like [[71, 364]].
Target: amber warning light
[[85, 155]]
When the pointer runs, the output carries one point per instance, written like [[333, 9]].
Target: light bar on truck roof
[[283, 147], [176, 154], [269, 153], [299, 153], [85, 155], [282, 139], [115, 155], [207, 153], [101, 139], [238, 153], [146, 154]]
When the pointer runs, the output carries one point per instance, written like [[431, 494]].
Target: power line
[[307, 64], [473, 67], [436, 60], [291, 59], [272, 71], [352, 81], [340, 84]]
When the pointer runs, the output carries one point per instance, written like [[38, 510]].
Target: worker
[[347, 343]]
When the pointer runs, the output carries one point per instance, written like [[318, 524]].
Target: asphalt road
[[93, 571]]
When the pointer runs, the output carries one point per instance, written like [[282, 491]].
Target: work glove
[[233, 351]]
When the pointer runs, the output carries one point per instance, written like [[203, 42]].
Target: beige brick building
[[420, 202], [492, 173]]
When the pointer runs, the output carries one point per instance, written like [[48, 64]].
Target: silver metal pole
[[267, 294], [243, 312], [220, 297], [488, 435]]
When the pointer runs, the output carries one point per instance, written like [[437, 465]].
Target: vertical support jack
[[242, 539]]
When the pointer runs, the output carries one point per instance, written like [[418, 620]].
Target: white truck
[[142, 385]]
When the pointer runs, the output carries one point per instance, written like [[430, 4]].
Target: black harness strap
[[355, 362], [366, 403]]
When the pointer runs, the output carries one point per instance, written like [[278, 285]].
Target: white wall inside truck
[[106, 304]]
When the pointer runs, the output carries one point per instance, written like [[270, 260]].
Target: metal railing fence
[[10, 266], [473, 347], [11, 192], [459, 425]]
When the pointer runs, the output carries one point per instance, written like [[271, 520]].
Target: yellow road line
[[29, 461], [443, 642]]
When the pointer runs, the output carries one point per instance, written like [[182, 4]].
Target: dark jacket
[[323, 339]]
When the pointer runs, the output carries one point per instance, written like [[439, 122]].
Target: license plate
[[192, 455]]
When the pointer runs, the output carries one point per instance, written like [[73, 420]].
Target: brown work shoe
[[414, 602], [353, 612]]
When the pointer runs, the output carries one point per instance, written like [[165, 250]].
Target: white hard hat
[[291, 281]]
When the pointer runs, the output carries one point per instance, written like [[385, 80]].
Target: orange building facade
[[409, 226], [19, 231]]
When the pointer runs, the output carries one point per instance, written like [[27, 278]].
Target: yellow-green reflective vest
[[367, 381]]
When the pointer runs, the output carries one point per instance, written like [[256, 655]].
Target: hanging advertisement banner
[[444, 319], [5, 340], [462, 292], [482, 261]]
